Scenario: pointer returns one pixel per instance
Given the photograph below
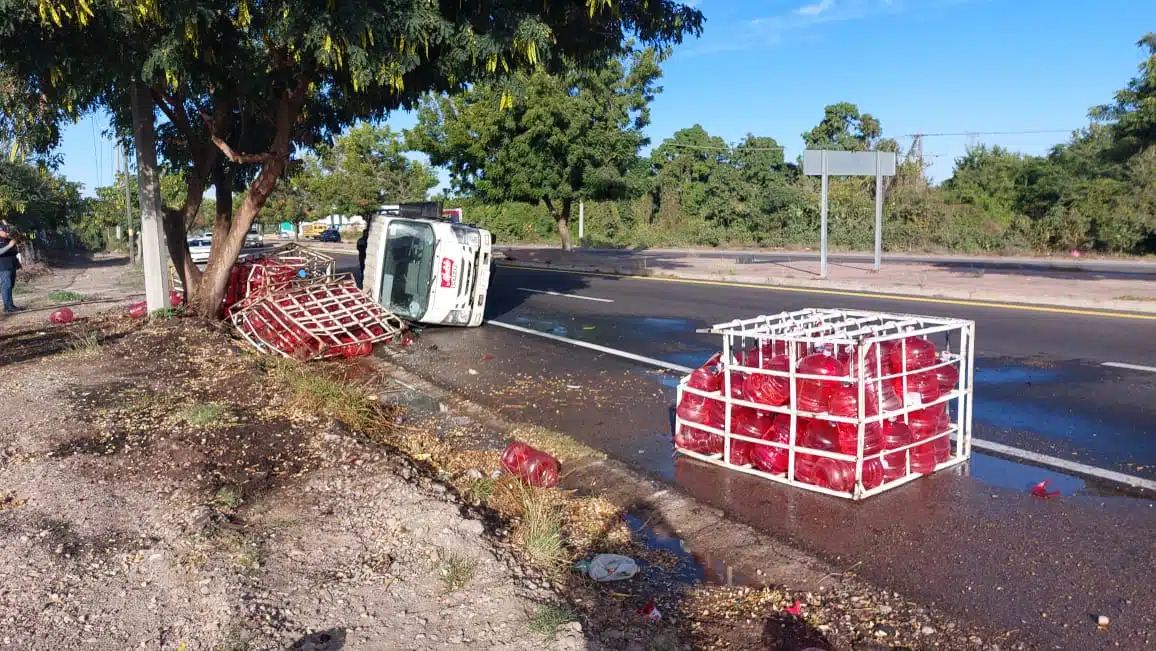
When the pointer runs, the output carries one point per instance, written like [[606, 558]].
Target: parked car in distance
[[199, 249], [329, 235], [253, 238]]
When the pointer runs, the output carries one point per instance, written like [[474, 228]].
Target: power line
[[1023, 132], [969, 134]]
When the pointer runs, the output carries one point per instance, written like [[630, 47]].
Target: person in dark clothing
[[362, 244], [9, 263]]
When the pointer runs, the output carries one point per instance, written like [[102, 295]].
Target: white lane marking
[[1131, 367], [1064, 464], [979, 444], [585, 298], [602, 349]]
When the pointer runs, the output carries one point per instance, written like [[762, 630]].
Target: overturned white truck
[[427, 268]]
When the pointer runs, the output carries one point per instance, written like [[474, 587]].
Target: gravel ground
[[159, 490], [153, 495]]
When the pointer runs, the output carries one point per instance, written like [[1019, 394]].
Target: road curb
[[1140, 309], [746, 550]]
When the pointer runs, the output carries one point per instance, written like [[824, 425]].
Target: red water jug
[[738, 385], [699, 440], [137, 310], [754, 423], [948, 377], [707, 377], [925, 457], [176, 299], [845, 402], [896, 434], [913, 354], [533, 466], [63, 315], [704, 411], [921, 388], [770, 389], [927, 422], [770, 459], [819, 435], [872, 473], [782, 431], [813, 395], [877, 363], [834, 474]]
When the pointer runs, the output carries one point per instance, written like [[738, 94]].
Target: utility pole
[[122, 164], [154, 253], [918, 146]]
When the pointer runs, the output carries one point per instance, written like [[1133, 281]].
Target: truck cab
[[426, 269]]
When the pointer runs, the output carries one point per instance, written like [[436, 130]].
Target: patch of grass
[[456, 571], [250, 559], [21, 289], [84, 345], [64, 296], [481, 490], [229, 497], [540, 531], [315, 393], [167, 313], [548, 618], [200, 415]]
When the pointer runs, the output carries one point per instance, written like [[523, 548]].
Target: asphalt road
[[1040, 382], [972, 542], [1059, 266]]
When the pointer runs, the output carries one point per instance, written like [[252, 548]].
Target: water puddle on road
[[693, 567]]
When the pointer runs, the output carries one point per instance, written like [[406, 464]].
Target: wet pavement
[[971, 541], [984, 550]]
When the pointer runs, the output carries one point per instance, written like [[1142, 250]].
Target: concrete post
[[152, 235]]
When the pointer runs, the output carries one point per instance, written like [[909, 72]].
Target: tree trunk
[[229, 233], [562, 221], [176, 236]]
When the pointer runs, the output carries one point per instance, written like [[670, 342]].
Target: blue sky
[[933, 66]]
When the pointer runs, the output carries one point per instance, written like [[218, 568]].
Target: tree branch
[[237, 157], [174, 110]]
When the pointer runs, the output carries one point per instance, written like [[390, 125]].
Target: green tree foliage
[[1094, 192], [243, 84], [844, 128], [33, 197], [1132, 114], [363, 169], [562, 137]]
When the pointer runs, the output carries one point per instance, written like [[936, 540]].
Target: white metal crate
[[867, 344]]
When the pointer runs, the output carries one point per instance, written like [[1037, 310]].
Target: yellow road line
[[843, 292]]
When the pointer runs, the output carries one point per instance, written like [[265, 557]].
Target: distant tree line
[[520, 161]]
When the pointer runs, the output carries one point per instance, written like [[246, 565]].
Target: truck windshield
[[408, 272]]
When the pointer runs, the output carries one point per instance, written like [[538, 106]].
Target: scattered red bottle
[[533, 466], [61, 316]]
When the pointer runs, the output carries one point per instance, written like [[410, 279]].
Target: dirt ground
[[153, 495], [163, 488]]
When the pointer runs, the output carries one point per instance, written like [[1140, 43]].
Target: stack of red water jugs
[[913, 375]]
